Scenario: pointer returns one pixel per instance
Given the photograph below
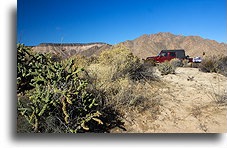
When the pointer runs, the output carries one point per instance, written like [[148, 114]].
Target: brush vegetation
[[118, 79], [52, 97], [57, 96], [92, 94], [167, 67], [216, 64]]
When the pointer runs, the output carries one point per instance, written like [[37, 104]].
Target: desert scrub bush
[[195, 65], [54, 89], [115, 70], [119, 62], [121, 81], [82, 61], [166, 68], [151, 62], [185, 63], [209, 65], [215, 64], [222, 65], [176, 62]]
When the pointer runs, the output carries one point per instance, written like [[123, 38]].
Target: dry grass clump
[[126, 95], [131, 98], [166, 68]]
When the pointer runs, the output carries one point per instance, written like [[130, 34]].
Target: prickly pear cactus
[[47, 88]]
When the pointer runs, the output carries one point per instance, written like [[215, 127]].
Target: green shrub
[[166, 68], [54, 89]]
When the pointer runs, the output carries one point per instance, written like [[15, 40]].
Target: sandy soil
[[191, 101]]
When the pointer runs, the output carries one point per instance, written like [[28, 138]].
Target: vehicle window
[[164, 54], [172, 54]]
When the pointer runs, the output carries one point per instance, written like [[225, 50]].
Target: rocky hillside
[[151, 45], [66, 50], [144, 46]]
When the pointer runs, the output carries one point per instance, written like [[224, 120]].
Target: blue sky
[[115, 21]]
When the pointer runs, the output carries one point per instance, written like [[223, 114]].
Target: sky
[[115, 21]]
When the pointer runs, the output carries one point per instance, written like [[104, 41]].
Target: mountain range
[[142, 47]]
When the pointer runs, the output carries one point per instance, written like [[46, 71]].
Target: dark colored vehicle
[[167, 55]]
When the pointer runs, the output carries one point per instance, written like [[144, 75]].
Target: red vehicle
[[167, 55]]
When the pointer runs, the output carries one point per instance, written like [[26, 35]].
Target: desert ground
[[191, 102]]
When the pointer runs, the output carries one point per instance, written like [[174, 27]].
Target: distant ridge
[[151, 45], [66, 50], [142, 47], [67, 44]]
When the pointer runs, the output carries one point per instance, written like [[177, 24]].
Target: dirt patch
[[190, 101]]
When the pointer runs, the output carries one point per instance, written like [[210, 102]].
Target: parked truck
[[167, 55]]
